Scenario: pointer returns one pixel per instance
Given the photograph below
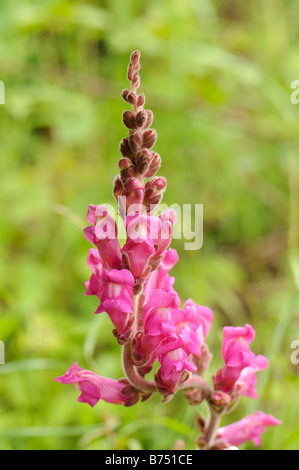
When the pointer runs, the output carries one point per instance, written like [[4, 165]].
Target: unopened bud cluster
[[139, 161]]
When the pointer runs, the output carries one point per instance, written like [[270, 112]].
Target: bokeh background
[[217, 76]]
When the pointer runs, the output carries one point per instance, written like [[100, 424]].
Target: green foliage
[[217, 76]]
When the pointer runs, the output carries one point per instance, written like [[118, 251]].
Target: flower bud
[[130, 72], [153, 193], [150, 118], [127, 169], [134, 191], [143, 159], [149, 138], [219, 400], [141, 118], [125, 148], [154, 166], [132, 98], [135, 58], [129, 120], [118, 188], [141, 100], [135, 141], [136, 80], [125, 94]]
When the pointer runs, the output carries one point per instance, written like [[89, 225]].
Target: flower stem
[[141, 384], [199, 382], [138, 382], [210, 432]]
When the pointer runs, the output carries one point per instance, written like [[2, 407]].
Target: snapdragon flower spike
[[247, 429], [94, 388], [238, 376], [135, 289]]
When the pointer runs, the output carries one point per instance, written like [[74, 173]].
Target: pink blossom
[[95, 263], [116, 296], [159, 278], [249, 428], [193, 324], [93, 387], [139, 247], [168, 219], [173, 360], [158, 323], [103, 234], [133, 192], [239, 373]]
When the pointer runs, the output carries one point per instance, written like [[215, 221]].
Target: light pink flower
[[193, 324], [103, 234], [93, 387], [249, 428], [168, 219], [239, 373]]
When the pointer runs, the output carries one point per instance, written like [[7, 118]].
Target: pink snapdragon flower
[[94, 388], [116, 296], [139, 247], [103, 234], [158, 324], [174, 361], [94, 286], [159, 278], [114, 288], [249, 428], [168, 219], [238, 376], [193, 324]]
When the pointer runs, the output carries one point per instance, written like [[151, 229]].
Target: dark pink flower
[[239, 373], [158, 323], [139, 247], [103, 234], [159, 278], [249, 428], [174, 361], [94, 285], [94, 388], [116, 296]]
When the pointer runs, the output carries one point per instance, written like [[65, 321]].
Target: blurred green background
[[217, 76]]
